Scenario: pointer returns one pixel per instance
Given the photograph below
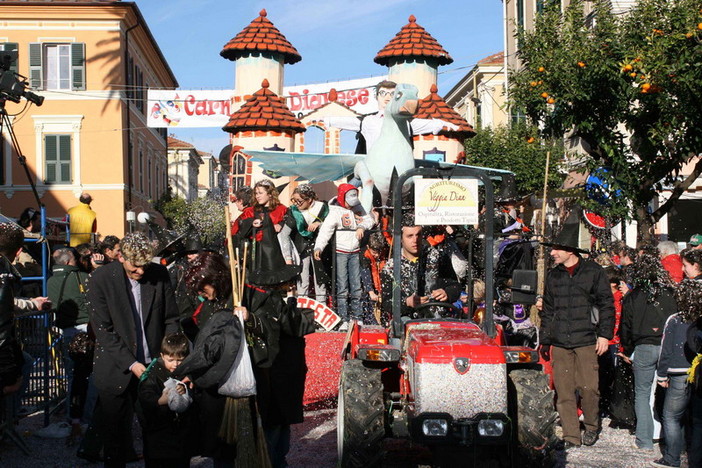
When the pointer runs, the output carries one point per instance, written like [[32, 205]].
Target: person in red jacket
[[670, 260]]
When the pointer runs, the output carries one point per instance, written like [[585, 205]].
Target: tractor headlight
[[491, 427], [435, 427]]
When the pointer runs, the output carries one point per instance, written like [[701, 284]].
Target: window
[[520, 13], [6, 47], [148, 175], [57, 159], [238, 172], [57, 66], [141, 172]]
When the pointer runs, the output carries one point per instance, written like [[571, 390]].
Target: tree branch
[[678, 189]]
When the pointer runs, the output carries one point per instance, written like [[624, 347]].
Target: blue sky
[[337, 39]]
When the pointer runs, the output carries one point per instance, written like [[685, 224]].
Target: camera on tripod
[[12, 87]]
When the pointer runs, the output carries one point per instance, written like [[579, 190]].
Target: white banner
[[444, 201], [198, 108]]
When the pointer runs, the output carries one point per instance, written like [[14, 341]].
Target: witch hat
[[267, 265], [568, 238], [167, 240]]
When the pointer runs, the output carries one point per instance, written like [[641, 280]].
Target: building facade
[[92, 61], [479, 97], [184, 163]]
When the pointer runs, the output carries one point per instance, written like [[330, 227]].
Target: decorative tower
[[447, 146], [413, 56], [260, 51], [263, 122]]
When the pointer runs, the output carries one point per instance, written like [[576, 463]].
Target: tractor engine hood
[[455, 368]]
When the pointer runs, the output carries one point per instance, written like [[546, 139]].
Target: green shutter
[[64, 142], [78, 66], [57, 154], [50, 148], [35, 64], [50, 158]]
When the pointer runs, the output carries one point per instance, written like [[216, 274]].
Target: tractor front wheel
[[360, 416], [532, 409]]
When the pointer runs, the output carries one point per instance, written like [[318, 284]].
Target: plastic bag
[[240, 380], [177, 402]]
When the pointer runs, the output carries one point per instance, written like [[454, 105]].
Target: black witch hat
[[267, 265], [569, 235], [168, 241]]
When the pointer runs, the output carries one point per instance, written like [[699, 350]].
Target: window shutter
[[64, 158], [50, 157], [78, 66], [7, 47], [35, 66]]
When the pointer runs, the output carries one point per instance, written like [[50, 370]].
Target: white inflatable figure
[[392, 152]]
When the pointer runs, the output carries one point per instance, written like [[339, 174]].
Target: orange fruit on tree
[[550, 100], [632, 74], [628, 67], [542, 69], [581, 64], [688, 35], [544, 95], [540, 82], [699, 25], [530, 140], [646, 86], [533, 83]]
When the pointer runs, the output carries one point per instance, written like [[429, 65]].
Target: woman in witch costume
[[260, 225], [278, 349], [228, 425]]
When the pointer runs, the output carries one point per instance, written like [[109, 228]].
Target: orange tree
[[627, 87], [517, 148]]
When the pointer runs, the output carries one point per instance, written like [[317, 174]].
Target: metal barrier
[[46, 385]]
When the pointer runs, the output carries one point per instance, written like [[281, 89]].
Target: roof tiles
[[176, 143], [434, 107], [413, 41], [264, 110], [260, 36]]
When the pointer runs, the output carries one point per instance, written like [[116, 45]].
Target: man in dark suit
[[132, 307]]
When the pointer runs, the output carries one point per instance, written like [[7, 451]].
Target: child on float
[[347, 221], [305, 215]]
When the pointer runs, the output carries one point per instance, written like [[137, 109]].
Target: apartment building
[[92, 61]]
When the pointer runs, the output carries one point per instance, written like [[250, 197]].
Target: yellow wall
[[95, 117]]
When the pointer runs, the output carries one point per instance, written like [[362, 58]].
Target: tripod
[[5, 123]]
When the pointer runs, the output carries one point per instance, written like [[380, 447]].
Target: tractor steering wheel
[[424, 311]]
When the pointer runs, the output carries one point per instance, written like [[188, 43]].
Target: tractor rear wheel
[[360, 416], [532, 408]]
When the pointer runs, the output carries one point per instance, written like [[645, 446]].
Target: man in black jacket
[[570, 335], [132, 307]]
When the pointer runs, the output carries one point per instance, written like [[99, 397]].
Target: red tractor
[[446, 383]]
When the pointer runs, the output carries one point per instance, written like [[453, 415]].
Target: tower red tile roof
[[264, 110], [434, 107], [260, 36], [413, 41]]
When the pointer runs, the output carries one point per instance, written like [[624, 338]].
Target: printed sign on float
[[212, 108], [445, 201], [323, 315]]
